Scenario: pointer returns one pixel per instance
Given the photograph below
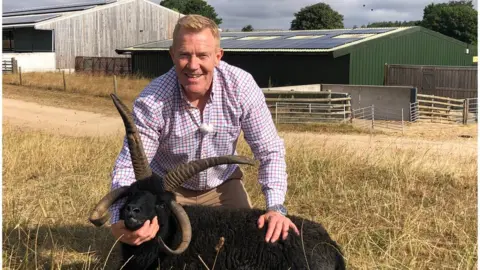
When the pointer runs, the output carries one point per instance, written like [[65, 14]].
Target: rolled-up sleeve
[[267, 146]]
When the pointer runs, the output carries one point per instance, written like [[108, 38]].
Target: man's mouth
[[193, 76]]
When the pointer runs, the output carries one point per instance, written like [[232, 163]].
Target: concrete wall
[[31, 62], [388, 101]]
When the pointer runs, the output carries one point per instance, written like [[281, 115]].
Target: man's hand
[[146, 233], [277, 224]]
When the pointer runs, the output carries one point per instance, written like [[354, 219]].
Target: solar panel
[[28, 19], [324, 39], [58, 10], [46, 9]]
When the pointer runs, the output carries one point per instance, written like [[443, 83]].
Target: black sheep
[[189, 235]]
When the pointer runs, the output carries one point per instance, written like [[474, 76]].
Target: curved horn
[[186, 227], [99, 214], [141, 167], [182, 173]]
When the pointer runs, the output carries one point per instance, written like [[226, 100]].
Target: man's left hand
[[277, 224]]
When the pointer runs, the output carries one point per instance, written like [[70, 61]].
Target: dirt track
[[64, 121], [83, 123]]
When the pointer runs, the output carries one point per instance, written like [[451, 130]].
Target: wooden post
[[64, 81], [20, 75], [466, 105], [14, 65], [115, 84]]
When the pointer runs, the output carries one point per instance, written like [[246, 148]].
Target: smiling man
[[197, 110]]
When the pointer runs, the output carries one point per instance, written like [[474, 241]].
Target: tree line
[[456, 19]]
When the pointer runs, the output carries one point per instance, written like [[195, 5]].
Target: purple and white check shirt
[[169, 128]]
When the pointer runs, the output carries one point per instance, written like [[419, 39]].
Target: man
[[197, 110]]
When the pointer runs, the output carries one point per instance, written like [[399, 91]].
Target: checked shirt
[[169, 127]]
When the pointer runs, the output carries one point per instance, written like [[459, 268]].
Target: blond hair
[[196, 23]]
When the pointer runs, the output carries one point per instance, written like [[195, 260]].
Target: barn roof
[[33, 15], [336, 42], [319, 41]]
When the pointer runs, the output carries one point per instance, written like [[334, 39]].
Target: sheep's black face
[[139, 207]]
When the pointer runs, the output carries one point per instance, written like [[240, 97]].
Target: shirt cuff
[[274, 197]]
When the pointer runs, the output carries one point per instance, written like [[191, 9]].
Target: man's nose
[[193, 63]]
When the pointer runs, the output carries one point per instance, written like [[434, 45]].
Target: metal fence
[[471, 110], [299, 112], [414, 112], [372, 117]]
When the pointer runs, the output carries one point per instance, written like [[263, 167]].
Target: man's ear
[[172, 53], [218, 56]]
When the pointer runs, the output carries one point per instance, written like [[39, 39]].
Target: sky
[[278, 14]]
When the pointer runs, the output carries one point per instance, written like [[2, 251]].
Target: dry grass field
[[392, 202]]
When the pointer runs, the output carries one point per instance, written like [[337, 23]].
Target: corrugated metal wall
[[416, 48], [270, 70], [267, 69], [151, 64], [100, 31]]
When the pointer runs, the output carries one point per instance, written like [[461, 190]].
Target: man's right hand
[[146, 233]]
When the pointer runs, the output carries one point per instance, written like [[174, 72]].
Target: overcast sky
[[278, 14]]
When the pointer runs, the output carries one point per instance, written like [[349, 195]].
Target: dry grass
[[391, 202], [389, 208], [97, 86]]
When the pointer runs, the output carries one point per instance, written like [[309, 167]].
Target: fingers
[[278, 229], [261, 221], [294, 227], [286, 226], [146, 233]]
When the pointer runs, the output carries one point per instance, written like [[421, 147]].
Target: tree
[[394, 24], [193, 7], [317, 16], [456, 19], [247, 28]]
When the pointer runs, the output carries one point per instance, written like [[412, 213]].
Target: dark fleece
[[244, 247]]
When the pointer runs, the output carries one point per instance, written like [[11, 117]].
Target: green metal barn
[[341, 56]]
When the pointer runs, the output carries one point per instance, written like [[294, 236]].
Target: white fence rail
[[295, 113]]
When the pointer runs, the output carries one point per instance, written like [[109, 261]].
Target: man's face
[[195, 56]]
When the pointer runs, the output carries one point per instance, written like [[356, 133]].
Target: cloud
[[278, 14]]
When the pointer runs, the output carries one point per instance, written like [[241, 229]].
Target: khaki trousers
[[230, 194]]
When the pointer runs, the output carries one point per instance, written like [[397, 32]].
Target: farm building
[[47, 38], [341, 56]]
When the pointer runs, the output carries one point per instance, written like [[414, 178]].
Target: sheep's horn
[[185, 226], [141, 167], [99, 214], [183, 172]]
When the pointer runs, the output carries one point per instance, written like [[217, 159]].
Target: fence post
[[64, 81], [14, 65], [20, 75], [466, 105], [115, 84]]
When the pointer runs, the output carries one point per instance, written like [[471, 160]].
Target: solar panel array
[[43, 11], [27, 19], [324, 39], [57, 8]]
